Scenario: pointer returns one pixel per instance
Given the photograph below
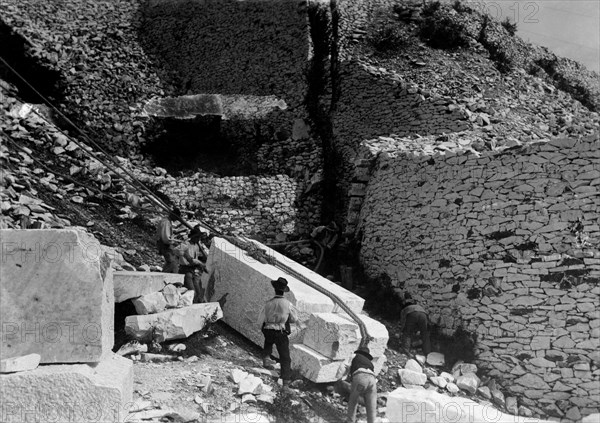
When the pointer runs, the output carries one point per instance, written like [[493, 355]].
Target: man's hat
[[281, 284], [364, 350], [195, 232]]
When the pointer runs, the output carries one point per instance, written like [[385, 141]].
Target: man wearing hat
[[413, 319], [166, 243], [191, 264], [364, 383], [274, 319]]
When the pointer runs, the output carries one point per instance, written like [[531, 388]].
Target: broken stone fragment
[[45, 267], [150, 303], [410, 377], [436, 359], [173, 324], [131, 284], [468, 382], [20, 364], [439, 381], [149, 357], [237, 375], [171, 295], [412, 364], [249, 385], [132, 347], [186, 299], [98, 392]]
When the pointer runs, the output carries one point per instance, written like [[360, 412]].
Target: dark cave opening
[[198, 144]]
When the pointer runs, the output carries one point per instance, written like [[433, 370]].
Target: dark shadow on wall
[[228, 47], [39, 72]]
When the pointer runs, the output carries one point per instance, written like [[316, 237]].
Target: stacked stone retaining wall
[[506, 246], [249, 205]]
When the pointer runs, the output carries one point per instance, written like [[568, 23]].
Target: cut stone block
[[247, 281], [135, 284], [337, 336], [56, 296], [99, 392], [332, 335], [318, 368], [427, 406], [313, 365], [150, 303], [172, 324], [20, 364]]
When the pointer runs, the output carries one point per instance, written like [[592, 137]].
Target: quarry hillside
[[460, 163]]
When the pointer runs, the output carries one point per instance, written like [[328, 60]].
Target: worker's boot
[[268, 364], [286, 384]]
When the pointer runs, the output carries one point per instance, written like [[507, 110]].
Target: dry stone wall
[[506, 246], [373, 101], [249, 205]]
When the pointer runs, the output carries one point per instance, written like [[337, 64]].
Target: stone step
[[129, 284], [176, 323], [99, 392], [318, 368], [57, 296], [426, 406], [233, 271], [337, 336]]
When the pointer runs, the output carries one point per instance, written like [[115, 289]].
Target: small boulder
[[452, 388], [512, 406], [468, 382], [409, 377], [414, 366], [439, 381], [436, 359], [447, 376], [484, 392]]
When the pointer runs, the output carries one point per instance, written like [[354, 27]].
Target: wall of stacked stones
[[248, 205], [506, 246], [373, 101]]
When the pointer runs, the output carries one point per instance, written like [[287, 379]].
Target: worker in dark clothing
[[274, 320], [166, 243], [413, 319], [364, 383], [191, 264]]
